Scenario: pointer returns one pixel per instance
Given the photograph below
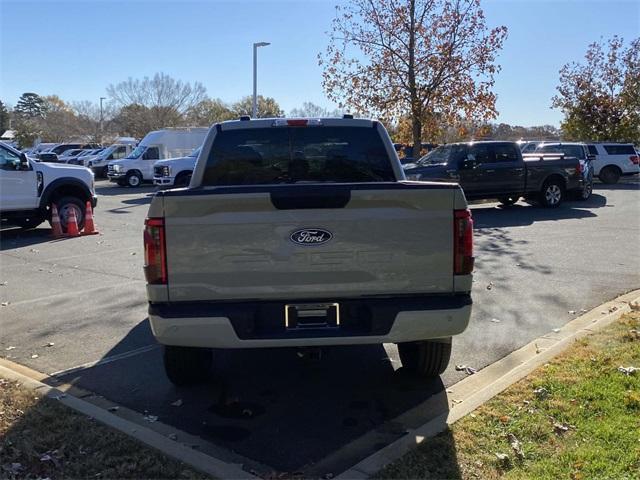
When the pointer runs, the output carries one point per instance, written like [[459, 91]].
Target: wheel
[[508, 200], [425, 358], [609, 175], [133, 179], [585, 193], [183, 179], [65, 205], [186, 365], [27, 223], [552, 193]]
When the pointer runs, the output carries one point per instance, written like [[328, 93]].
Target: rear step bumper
[[262, 324]]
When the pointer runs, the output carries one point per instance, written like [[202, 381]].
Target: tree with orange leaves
[[416, 58]]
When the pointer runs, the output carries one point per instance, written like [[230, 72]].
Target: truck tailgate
[[235, 243]]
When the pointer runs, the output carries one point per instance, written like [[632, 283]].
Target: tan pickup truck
[[305, 233]]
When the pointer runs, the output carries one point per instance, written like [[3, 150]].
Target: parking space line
[[75, 293], [104, 361]]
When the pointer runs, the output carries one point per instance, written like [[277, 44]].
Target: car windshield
[[439, 156], [262, 156], [137, 153]]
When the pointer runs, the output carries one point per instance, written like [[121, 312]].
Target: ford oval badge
[[311, 236]]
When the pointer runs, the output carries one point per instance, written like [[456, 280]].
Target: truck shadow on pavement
[[288, 413], [15, 237], [522, 215]]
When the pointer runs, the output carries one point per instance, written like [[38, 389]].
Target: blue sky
[[75, 49]]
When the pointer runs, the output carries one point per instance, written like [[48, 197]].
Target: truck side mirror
[[24, 162]]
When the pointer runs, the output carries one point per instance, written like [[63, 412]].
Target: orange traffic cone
[[89, 226], [56, 228], [72, 224]]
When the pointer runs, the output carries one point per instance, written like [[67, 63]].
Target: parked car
[[84, 155], [303, 233], [137, 167], [613, 160], [29, 188], [48, 157], [494, 169], [175, 171], [70, 154], [575, 150], [99, 163]]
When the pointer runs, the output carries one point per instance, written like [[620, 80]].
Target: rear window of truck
[[263, 156]]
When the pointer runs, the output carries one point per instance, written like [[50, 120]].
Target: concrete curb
[[468, 394], [198, 460]]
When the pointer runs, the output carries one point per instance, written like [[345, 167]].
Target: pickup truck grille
[[157, 171], [110, 169]]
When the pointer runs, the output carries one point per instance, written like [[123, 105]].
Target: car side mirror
[[24, 162]]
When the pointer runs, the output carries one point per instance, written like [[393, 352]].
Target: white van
[[158, 145], [613, 160]]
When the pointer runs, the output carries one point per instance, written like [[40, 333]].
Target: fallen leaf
[[628, 370], [490, 286], [4, 304], [49, 344], [495, 320], [151, 418], [466, 369], [515, 445], [247, 412], [133, 253], [505, 419], [2, 284], [541, 393], [572, 312], [173, 436], [556, 330], [177, 403], [503, 457], [613, 309], [560, 428], [35, 355], [113, 409], [10, 348]]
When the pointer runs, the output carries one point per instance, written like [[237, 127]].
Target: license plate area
[[311, 316]]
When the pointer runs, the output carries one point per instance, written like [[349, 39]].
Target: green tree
[[600, 98], [208, 112], [4, 118], [267, 107], [30, 105], [413, 58]]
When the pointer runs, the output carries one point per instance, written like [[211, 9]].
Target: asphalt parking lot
[[536, 269]]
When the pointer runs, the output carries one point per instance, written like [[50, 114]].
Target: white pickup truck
[[305, 233], [175, 171], [29, 188]]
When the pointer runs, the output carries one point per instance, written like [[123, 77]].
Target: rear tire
[[425, 358], [552, 193], [609, 175], [186, 365]]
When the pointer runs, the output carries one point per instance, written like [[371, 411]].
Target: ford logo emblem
[[311, 236]]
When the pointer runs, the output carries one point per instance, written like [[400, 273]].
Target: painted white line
[[104, 361], [75, 293]]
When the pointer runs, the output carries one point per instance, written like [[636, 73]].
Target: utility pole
[[254, 111], [101, 118]]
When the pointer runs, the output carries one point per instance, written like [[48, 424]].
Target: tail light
[[634, 159], [580, 168], [462, 242], [155, 257]]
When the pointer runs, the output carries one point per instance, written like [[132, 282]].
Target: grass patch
[[40, 438], [577, 417]]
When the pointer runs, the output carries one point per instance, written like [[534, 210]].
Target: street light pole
[[101, 117], [254, 110]]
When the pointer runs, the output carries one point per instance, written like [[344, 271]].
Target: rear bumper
[[261, 324]]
